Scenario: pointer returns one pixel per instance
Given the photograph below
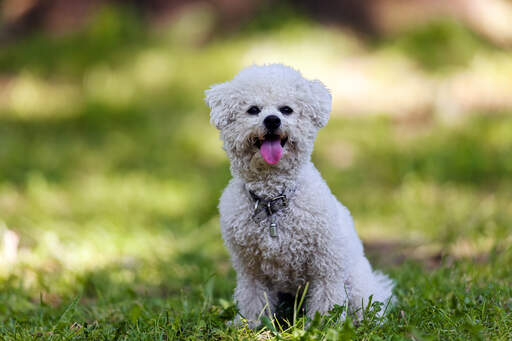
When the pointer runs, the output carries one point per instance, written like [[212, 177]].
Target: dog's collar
[[267, 208]]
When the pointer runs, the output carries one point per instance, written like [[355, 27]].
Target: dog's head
[[268, 117]]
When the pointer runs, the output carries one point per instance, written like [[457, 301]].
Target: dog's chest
[[281, 257]]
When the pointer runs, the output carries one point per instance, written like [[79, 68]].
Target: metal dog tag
[[273, 229]]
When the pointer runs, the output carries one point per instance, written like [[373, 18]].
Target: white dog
[[281, 223]]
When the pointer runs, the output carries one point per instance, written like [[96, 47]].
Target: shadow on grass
[[473, 154], [111, 34], [119, 140]]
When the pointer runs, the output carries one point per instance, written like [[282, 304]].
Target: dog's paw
[[235, 322], [239, 322]]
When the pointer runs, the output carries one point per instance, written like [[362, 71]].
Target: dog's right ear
[[219, 99]]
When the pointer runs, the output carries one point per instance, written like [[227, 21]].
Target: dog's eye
[[286, 110], [254, 110]]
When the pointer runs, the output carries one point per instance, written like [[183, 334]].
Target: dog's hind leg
[[323, 295], [364, 282]]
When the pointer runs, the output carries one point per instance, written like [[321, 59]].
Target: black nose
[[272, 122]]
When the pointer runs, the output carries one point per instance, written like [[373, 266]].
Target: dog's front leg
[[253, 300], [323, 295]]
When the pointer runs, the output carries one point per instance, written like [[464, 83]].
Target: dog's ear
[[219, 99], [322, 98]]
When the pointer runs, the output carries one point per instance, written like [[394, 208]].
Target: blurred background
[[110, 172]]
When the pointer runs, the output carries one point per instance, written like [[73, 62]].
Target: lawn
[[110, 175]]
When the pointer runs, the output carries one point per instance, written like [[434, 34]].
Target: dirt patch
[[385, 254]]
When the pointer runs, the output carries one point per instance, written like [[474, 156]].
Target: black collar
[[264, 208]]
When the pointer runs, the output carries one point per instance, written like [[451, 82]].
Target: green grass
[[110, 175]]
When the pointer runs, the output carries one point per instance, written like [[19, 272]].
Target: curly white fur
[[316, 241]]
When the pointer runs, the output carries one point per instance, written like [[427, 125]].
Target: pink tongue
[[271, 151]]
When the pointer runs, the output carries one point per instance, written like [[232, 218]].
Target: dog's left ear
[[322, 98], [222, 108]]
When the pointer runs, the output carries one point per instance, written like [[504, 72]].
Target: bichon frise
[[281, 223]]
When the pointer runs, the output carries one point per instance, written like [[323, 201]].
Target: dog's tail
[[386, 286]]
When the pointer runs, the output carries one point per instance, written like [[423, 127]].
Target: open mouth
[[271, 147]]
